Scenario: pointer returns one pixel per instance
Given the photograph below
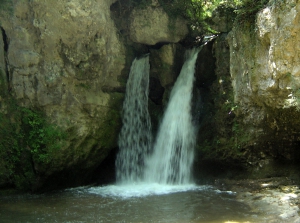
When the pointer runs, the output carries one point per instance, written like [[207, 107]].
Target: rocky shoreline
[[274, 200]]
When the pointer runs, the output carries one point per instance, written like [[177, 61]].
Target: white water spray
[[173, 151], [135, 136], [173, 154]]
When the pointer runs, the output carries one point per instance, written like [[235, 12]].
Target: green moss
[[111, 125], [27, 139], [199, 12], [221, 148], [109, 130], [247, 9], [282, 126], [83, 85], [41, 137], [6, 6], [222, 135]]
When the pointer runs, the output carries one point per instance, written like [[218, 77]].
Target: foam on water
[[143, 189]]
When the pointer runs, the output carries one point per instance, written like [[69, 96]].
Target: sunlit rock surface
[[61, 55], [275, 199], [265, 61], [264, 66]]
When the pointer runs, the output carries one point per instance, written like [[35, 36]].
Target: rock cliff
[[249, 125], [256, 99], [264, 66], [69, 60], [66, 59]]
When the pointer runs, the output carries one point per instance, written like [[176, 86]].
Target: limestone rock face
[[153, 25], [61, 55], [164, 63], [265, 72], [269, 60]]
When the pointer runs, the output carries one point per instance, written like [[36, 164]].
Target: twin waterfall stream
[[167, 160], [154, 180]]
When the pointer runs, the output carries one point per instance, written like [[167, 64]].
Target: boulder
[[153, 25]]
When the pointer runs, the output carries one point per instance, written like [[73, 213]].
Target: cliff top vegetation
[[199, 12], [5, 5]]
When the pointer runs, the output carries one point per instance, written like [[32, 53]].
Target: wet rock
[[276, 199]]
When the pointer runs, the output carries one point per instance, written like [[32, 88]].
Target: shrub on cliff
[[198, 12], [6, 5], [27, 139]]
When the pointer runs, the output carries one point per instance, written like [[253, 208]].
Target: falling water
[[173, 153], [135, 136]]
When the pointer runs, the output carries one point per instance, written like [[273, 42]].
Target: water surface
[[134, 203]]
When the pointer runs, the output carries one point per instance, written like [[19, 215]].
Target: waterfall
[[135, 135], [173, 153]]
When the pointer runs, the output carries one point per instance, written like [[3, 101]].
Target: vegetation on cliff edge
[[27, 139], [199, 12]]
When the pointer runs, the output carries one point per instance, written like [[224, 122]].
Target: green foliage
[[139, 3], [246, 10], [198, 12], [27, 140], [205, 147], [111, 125], [231, 146], [6, 6], [40, 137], [127, 5], [83, 85], [223, 136], [109, 130], [240, 137]]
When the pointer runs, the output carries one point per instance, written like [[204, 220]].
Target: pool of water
[[128, 203]]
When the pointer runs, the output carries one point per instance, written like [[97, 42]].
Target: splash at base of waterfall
[[143, 189]]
